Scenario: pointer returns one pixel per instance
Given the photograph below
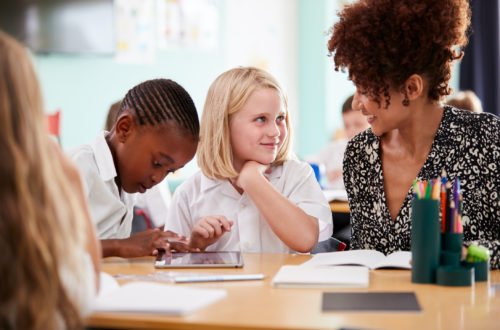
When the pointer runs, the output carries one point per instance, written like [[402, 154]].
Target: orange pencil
[[443, 204]]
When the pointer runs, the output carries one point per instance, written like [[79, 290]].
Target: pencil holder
[[452, 242], [481, 269], [425, 240], [454, 276], [450, 258], [451, 248]]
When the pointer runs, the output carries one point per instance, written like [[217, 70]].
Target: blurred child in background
[[465, 100], [332, 155]]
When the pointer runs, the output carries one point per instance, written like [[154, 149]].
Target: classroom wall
[[322, 90], [84, 87], [266, 39]]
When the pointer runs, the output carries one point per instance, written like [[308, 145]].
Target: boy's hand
[[208, 230], [178, 243], [149, 241]]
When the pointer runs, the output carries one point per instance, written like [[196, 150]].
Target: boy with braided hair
[[155, 133]]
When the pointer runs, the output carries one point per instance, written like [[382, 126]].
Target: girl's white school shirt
[[200, 196], [111, 211]]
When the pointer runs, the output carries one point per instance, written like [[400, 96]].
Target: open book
[[321, 277], [369, 258], [147, 297]]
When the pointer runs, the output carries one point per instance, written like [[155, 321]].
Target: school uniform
[[80, 286], [200, 196], [111, 210]]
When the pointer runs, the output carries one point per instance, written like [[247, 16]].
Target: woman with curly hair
[[399, 56], [50, 255]]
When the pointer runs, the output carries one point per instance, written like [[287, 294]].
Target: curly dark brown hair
[[383, 42]]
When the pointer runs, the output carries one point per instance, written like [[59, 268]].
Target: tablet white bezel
[[162, 260]]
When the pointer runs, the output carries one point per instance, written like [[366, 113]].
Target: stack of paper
[[321, 277], [146, 297]]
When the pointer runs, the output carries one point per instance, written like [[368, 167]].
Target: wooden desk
[[257, 305], [339, 207]]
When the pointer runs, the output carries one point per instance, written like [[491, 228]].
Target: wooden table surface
[[339, 207], [257, 305]]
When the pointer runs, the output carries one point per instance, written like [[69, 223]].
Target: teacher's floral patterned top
[[466, 146]]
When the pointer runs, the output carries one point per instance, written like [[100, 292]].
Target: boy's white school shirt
[[155, 202], [200, 196], [111, 211]]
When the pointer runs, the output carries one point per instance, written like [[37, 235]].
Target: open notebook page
[[369, 258]]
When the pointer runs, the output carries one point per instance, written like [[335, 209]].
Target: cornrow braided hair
[[159, 101]]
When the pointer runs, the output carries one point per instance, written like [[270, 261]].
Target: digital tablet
[[227, 259]]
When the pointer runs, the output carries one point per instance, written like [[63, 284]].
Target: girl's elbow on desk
[[307, 241], [305, 246], [306, 249]]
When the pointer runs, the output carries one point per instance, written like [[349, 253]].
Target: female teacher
[[399, 56]]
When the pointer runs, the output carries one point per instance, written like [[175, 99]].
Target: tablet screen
[[199, 259]]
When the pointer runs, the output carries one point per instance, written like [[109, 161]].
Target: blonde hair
[[225, 97], [465, 100], [41, 218]]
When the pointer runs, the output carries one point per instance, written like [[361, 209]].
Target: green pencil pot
[[451, 249], [425, 240], [481, 269], [455, 276], [450, 258], [452, 242]]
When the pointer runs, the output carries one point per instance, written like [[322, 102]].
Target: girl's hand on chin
[[251, 170]]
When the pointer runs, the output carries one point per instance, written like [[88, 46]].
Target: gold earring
[[406, 101]]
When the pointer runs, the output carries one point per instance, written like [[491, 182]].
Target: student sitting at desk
[[250, 194], [156, 133], [50, 256], [332, 155], [154, 202], [399, 54]]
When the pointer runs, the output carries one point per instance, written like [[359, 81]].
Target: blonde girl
[[250, 195], [49, 261]]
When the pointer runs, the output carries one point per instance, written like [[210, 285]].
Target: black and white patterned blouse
[[466, 146]]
